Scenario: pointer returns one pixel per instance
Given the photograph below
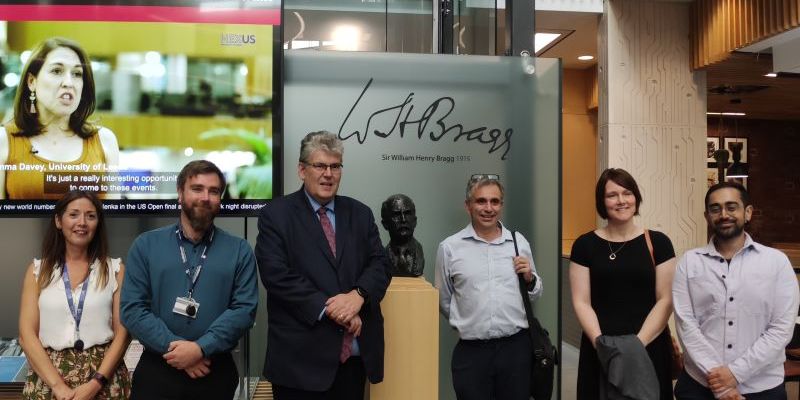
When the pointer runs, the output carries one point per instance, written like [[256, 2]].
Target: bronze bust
[[399, 218]]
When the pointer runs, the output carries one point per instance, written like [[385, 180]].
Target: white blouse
[[56, 325]]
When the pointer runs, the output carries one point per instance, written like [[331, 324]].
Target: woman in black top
[[616, 289]]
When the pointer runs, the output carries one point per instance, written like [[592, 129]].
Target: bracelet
[[100, 378]]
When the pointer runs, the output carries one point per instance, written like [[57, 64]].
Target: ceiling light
[[586, 58], [732, 114], [542, 40], [346, 37], [771, 75]]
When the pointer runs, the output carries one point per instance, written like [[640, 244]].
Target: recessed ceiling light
[[771, 75], [586, 58], [542, 40]]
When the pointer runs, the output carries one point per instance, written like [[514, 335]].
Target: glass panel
[[403, 119], [409, 26], [359, 25], [475, 27], [343, 25]]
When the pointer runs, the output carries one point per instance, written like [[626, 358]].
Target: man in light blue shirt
[[735, 306], [476, 274]]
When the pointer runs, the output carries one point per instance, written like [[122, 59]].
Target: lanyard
[[76, 313], [193, 273]]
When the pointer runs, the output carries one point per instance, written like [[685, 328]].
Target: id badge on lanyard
[[77, 312], [187, 306]]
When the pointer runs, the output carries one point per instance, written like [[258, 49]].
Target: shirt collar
[[315, 204], [711, 249], [469, 232], [207, 237]]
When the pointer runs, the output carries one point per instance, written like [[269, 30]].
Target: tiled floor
[[569, 371]]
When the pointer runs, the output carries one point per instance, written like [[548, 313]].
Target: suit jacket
[[300, 273], [629, 371]]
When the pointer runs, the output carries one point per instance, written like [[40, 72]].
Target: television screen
[[115, 97]]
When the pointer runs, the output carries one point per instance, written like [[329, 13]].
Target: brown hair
[[28, 124], [620, 177], [54, 247], [200, 167]]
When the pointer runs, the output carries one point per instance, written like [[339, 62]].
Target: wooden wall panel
[[722, 26], [579, 127], [652, 114]]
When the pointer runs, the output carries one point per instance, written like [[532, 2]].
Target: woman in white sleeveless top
[[73, 338]]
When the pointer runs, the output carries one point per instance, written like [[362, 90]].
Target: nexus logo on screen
[[431, 122], [235, 39]]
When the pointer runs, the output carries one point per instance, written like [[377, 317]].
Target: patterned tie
[[327, 227]]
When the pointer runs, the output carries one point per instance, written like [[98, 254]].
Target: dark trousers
[[154, 379], [493, 369], [689, 389], [348, 385]]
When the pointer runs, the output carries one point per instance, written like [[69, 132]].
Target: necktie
[[330, 235], [327, 227]]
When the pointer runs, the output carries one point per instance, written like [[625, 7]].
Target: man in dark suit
[[321, 259]]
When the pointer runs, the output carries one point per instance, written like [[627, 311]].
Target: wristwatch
[[361, 292], [532, 284], [100, 378]]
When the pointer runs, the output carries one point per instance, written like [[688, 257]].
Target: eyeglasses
[[322, 167], [479, 177], [730, 208]]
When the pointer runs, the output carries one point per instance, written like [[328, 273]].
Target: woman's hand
[[88, 390], [63, 392]]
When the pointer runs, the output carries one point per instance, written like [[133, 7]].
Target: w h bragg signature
[[432, 122]]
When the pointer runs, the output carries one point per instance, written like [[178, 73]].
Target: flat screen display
[[115, 97]]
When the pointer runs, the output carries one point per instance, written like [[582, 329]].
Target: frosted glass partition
[[421, 125]]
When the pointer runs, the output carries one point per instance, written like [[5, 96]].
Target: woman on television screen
[[69, 325], [50, 132]]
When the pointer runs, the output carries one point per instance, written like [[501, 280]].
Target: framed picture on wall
[[733, 144], [712, 176], [712, 145]]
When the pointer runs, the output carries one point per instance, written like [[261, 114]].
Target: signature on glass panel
[[432, 122]]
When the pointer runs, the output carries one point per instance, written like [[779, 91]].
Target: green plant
[[251, 181]]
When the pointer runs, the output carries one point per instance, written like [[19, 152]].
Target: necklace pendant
[[612, 256]]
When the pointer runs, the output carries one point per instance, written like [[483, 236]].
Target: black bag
[[545, 355]]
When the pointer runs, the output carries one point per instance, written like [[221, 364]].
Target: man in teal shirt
[[189, 294]]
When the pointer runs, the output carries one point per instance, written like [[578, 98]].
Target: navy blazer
[[300, 273]]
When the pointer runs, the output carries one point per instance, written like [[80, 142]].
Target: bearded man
[[190, 293], [735, 306]]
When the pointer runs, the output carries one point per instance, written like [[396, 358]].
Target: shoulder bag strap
[[650, 246], [523, 290]]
